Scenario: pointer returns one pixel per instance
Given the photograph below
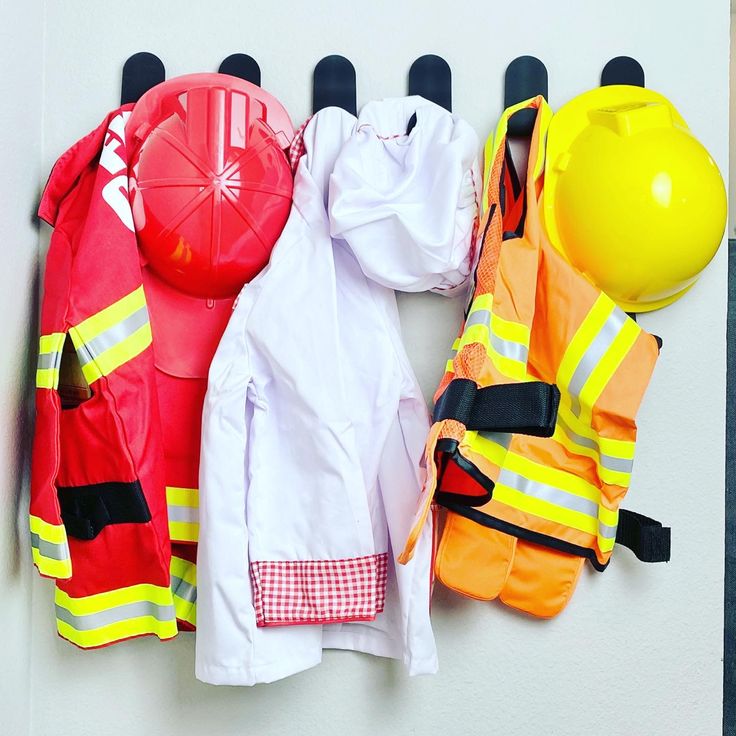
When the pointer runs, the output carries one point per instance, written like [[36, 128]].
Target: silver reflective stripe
[[49, 549], [597, 349], [507, 348], [556, 496], [184, 590], [49, 360], [112, 336], [500, 438], [608, 532], [548, 493], [610, 462], [188, 514], [115, 615], [453, 353]]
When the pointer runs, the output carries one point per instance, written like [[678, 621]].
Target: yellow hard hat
[[631, 198]]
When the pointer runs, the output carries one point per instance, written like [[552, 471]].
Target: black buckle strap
[[523, 408], [87, 510], [645, 537]]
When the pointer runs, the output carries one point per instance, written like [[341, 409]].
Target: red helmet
[[210, 182]]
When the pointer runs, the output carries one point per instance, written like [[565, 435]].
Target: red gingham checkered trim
[[296, 149], [319, 591]]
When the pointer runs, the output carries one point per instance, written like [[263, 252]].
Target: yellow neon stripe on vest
[[176, 496], [186, 609], [107, 617], [183, 531], [184, 569], [507, 366], [606, 367], [617, 448], [536, 472], [545, 509], [50, 347], [96, 362], [503, 328], [111, 633], [107, 362], [61, 569], [607, 475], [113, 598], [183, 505], [108, 317], [582, 339], [54, 533]]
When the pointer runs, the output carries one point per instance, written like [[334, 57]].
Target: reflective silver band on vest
[[50, 550], [555, 496], [507, 348], [610, 462], [112, 336], [188, 514], [597, 349], [48, 361], [115, 615], [184, 590]]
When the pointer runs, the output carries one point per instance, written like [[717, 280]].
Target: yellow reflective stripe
[[582, 339], [507, 366], [184, 589], [138, 626], [116, 356], [49, 360], [606, 367], [184, 570], [572, 484], [607, 475], [50, 548], [183, 531], [113, 336], [488, 328], [54, 533], [550, 493], [114, 598], [183, 511], [176, 496], [107, 617], [61, 569], [108, 317], [553, 512], [616, 448], [504, 328]]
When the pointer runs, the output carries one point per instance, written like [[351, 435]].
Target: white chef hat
[[406, 203]]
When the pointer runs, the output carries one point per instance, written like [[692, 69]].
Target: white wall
[[639, 649], [21, 61]]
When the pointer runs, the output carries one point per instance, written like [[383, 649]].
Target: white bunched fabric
[[314, 425]]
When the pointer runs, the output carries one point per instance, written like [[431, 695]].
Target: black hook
[[333, 84], [140, 72], [526, 77], [430, 77], [623, 70], [242, 66]]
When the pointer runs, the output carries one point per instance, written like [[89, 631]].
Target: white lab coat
[[314, 428]]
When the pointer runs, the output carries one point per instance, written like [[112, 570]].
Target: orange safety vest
[[532, 445]]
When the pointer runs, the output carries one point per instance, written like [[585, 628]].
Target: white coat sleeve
[[225, 616], [401, 477]]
